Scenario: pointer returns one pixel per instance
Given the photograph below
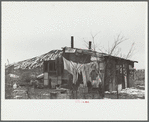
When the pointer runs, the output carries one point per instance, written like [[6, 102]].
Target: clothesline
[[75, 68], [77, 63]]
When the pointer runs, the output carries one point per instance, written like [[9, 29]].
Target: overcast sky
[[31, 29]]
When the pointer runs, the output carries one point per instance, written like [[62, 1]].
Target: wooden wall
[[118, 73]]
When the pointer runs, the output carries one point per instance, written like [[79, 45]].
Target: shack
[[74, 66]]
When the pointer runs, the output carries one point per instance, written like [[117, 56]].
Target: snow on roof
[[37, 61]]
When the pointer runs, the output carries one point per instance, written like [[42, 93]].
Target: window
[[49, 66], [45, 68], [117, 69], [52, 66], [120, 69]]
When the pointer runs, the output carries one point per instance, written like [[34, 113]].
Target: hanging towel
[[84, 75], [68, 66], [75, 75], [86, 70], [72, 68]]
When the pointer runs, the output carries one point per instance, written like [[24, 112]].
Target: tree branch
[[130, 53], [117, 42]]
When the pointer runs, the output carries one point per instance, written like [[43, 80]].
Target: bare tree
[[93, 41], [119, 39], [131, 51], [114, 50]]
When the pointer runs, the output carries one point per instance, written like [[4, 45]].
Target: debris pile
[[20, 93]]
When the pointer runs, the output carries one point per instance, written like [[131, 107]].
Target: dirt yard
[[31, 93], [28, 92], [46, 93], [128, 93]]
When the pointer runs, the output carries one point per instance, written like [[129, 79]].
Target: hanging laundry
[[87, 70], [75, 75], [76, 69], [98, 79], [68, 66], [84, 75], [72, 68], [93, 75]]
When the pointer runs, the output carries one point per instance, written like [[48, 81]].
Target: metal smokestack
[[90, 44], [72, 41]]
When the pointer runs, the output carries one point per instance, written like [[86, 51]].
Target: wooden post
[[76, 94], [103, 78], [48, 73], [117, 90], [117, 74], [127, 75], [123, 81], [57, 68], [133, 74], [114, 75]]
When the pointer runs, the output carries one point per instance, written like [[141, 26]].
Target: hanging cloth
[[75, 75], [72, 68], [68, 66], [85, 69], [84, 75]]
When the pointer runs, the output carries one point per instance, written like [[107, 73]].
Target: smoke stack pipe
[[90, 43], [72, 42]]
